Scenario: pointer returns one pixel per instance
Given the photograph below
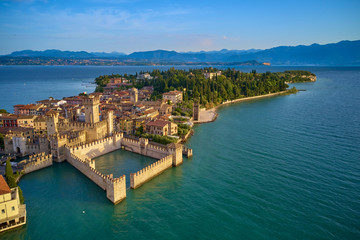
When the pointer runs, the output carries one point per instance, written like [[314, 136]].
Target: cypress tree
[[9, 175]]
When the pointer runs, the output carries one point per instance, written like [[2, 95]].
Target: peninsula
[[146, 113]]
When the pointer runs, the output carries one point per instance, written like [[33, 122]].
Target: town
[[79, 128], [149, 114]]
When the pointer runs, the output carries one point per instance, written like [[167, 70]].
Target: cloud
[[99, 20]]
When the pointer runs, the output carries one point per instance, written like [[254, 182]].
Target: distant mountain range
[[65, 54], [340, 54]]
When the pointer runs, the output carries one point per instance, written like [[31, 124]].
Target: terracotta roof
[[8, 116], [4, 188], [30, 106], [40, 119], [50, 112], [172, 93], [158, 123], [7, 130], [48, 101], [26, 116]]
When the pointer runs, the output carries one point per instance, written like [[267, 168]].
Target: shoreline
[[210, 115]]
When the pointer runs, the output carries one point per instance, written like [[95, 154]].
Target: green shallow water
[[280, 168]]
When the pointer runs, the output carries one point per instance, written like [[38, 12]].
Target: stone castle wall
[[156, 151], [36, 162], [98, 148], [117, 141], [149, 172], [81, 157], [115, 187], [187, 151]]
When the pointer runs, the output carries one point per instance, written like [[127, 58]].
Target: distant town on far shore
[[344, 53]]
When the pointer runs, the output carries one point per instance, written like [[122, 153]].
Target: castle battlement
[[157, 147], [131, 140], [36, 162], [149, 172], [81, 157], [115, 188], [187, 151]]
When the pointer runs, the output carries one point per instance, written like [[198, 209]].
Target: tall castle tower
[[134, 95], [52, 120], [196, 110], [91, 105], [110, 122]]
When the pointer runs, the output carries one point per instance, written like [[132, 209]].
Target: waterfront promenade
[[210, 115]]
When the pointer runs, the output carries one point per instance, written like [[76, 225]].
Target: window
[[2, 210], [13, 208]]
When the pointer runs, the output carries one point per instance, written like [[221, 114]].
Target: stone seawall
[[81, 157], [115, 187], [36, 162], [149, 172], [156, 151]]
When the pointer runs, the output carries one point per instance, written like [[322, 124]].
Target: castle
[[23, 141], [77, 133], [79, 142]]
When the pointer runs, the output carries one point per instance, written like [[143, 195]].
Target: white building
[[173, 96], [211, 75], [145, 76]]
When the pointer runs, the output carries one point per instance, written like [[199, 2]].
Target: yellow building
[[12, 213], [26, 121], [162, 128], [125, 125], [40, 125]]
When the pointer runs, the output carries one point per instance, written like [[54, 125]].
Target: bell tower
[[91, 104]]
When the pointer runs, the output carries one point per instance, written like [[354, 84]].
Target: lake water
[[280, 168]]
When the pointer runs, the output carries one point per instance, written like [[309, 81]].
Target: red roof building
[[4, 187]]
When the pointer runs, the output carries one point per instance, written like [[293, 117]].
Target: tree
[[10, 179], [21, 196], [9, 175], [3, 111], [2, 144]]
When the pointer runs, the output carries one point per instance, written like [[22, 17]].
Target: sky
[[128, 26]]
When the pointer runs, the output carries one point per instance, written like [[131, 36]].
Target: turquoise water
[[280, 168], [122, 162]]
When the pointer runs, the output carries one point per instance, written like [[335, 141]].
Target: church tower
[[91, 104]]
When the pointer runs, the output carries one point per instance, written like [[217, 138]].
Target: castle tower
[[143, 145], [196, 111], [110, 122], [52, 120], [175, 150], [134, 95], [91, 105]]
